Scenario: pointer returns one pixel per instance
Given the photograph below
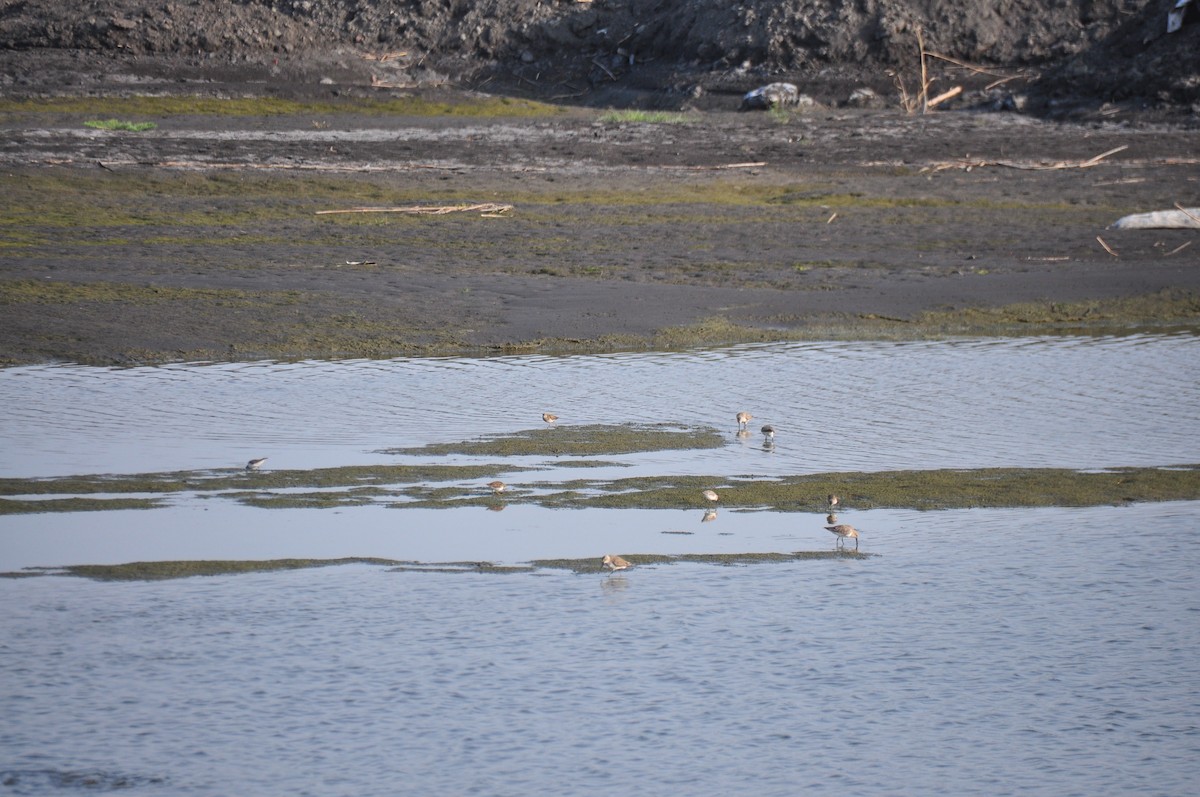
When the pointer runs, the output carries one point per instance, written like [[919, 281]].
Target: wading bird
[[255, 464], [743, 419], [614, 563], [844, 531]]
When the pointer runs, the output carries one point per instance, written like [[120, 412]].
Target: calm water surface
[[1069, 402], [1047, 652], [1024, 651]]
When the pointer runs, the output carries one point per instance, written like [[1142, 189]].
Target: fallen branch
[[945, 95], [1107, 248], [1026, 165], [487, 209], [747, 165], [384, 57], [979, 70], [379, 83]]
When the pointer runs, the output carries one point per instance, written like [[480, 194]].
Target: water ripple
[[1070, 402]]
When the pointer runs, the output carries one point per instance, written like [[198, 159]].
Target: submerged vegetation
[[401, 486], [158, 571], [585, 440]]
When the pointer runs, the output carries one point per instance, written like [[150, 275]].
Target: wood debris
[[489, 210], [1179, 219], [1026, 165]]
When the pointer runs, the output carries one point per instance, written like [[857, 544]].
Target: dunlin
[[549, 417], [711, 495], [769, 432], [497, 486], [833, 501], [744, 418], [614, 563], [255, 464], [844, 531]]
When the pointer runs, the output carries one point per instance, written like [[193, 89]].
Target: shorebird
[[711, 495], [255, 464], [844, 531], [549, 417], [833, 501], [743, 419], [614, 563], [769, 432], [497, 486]]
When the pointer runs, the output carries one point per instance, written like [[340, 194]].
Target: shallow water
[[1033, 651], [1036, 402], [1015, 651]]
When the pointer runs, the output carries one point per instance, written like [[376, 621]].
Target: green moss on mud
[[594, 565], [585, 440], [353, 486], [167, 106], [155, 571], [9, 506], [913, 489], [158, 571], [357, 477]]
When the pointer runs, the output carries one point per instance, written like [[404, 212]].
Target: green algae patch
[[594, 564], [462, 567], [360, 481], [483, 106], [9, 506], [576, 441], [1171, 306], [158, 571], [459, 486], [120, 124], [909, 489], [635, 116]]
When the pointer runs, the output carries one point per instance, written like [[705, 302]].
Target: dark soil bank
[[665, 52], [203, 237]]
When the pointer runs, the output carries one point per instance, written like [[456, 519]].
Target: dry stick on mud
[[719, 166], [966, 164], [486, 210], [922, 100]]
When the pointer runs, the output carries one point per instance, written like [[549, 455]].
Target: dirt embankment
[[661, 52]]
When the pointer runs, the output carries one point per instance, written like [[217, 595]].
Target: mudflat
[[208, 236]]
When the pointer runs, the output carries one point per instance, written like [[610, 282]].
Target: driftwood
[[486, 209], [719, 166], [945, 95], [1179, 219], [1107, 248], [1026, 165]]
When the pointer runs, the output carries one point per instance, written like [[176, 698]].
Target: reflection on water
[[999, 652], [1070, 402]]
